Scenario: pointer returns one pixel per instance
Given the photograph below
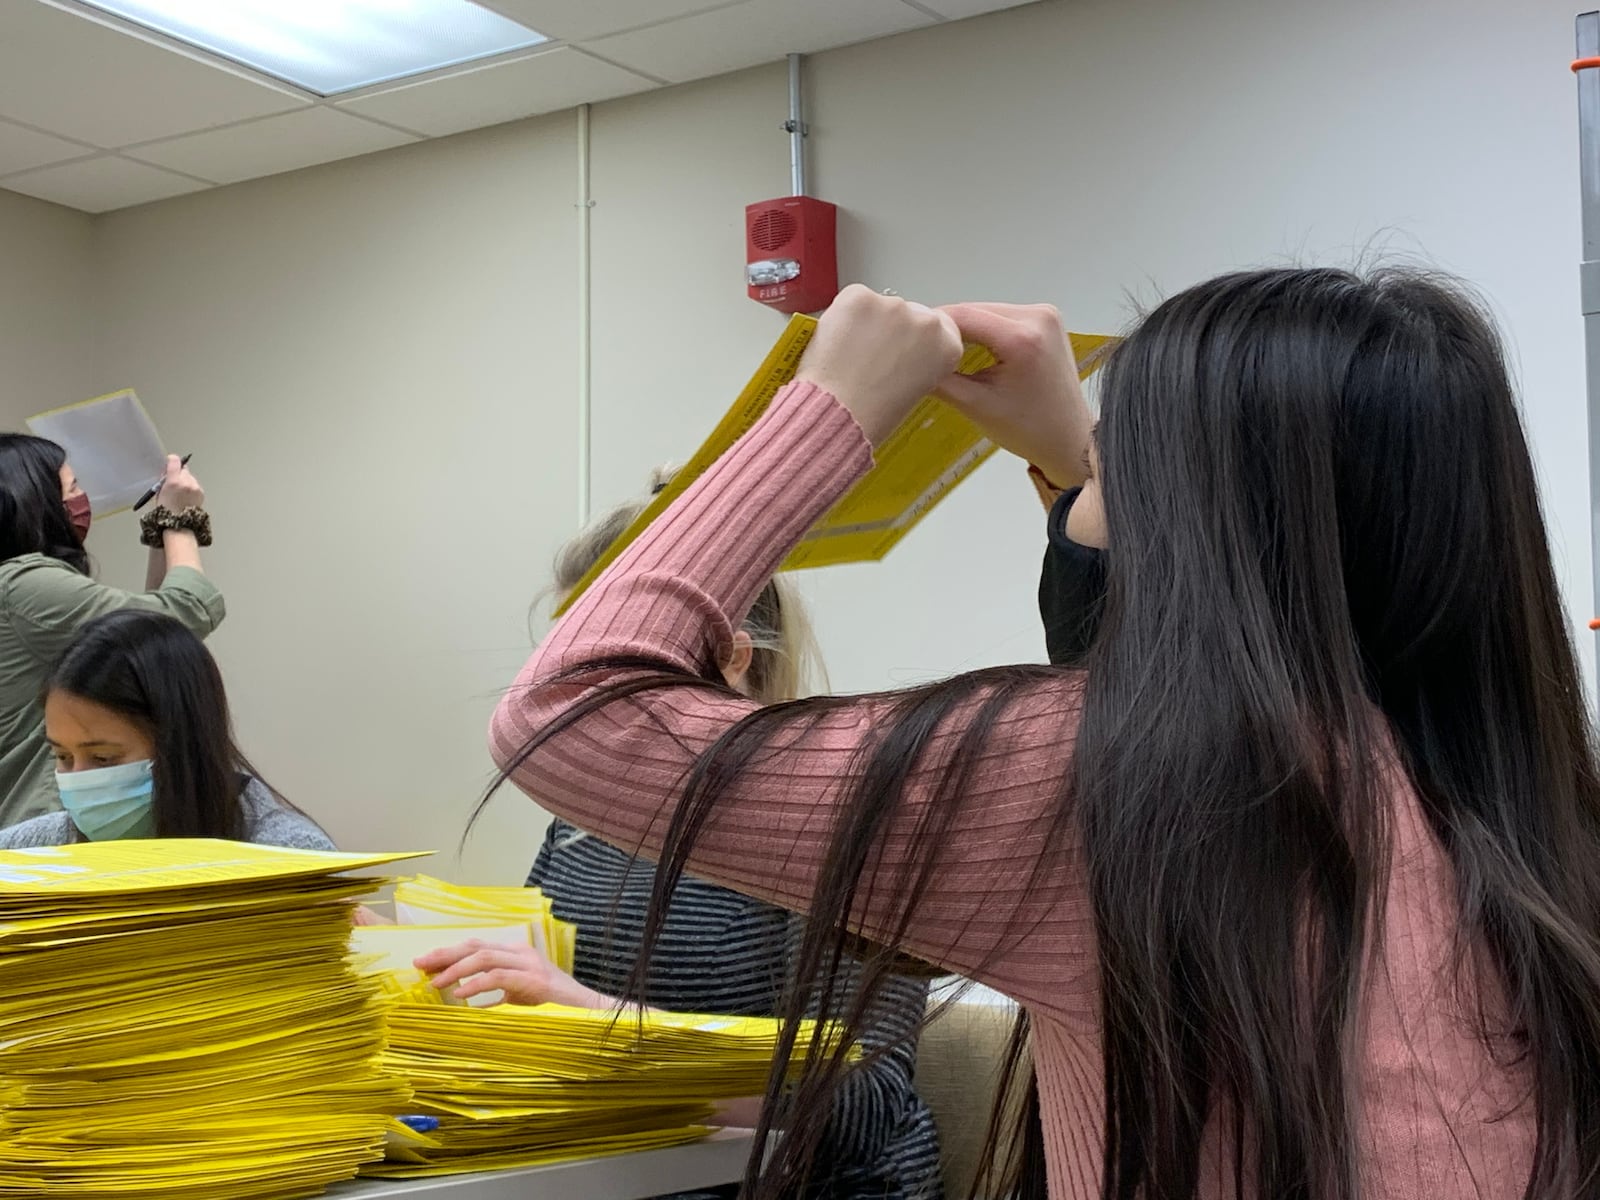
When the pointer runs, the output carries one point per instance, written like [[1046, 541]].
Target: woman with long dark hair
[[138, 726], [47, 594], [1297, 881]]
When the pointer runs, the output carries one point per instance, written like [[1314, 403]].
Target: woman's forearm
[[179, 549]]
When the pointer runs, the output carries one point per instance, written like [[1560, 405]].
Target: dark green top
[[43, 603]]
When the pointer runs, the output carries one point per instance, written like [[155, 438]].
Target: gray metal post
[[1589, 173], [796, 127]]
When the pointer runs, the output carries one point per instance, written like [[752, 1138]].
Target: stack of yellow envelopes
[[425, 901], [179, 1020], [514, 1086]]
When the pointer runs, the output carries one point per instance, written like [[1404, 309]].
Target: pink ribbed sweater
[[1439, 1118]]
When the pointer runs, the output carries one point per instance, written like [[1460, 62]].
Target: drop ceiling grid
[[97, 114]]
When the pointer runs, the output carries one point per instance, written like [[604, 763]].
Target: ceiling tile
[[576, 20], [266, 147], [523, 87], [75, 77], [101, 184], [958, 10], [756, 31], [22, 149]]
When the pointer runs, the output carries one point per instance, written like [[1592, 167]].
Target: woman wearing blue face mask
[[137, 719]]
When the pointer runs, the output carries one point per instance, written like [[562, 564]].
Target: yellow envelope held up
[[917, 466]]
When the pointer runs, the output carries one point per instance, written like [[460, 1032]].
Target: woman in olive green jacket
[[46, 594]]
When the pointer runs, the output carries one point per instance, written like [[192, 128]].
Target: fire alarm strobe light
[[791, 263]]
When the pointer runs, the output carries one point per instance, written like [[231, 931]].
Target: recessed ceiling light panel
[[332, 46]]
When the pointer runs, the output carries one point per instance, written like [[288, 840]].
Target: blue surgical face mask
[[110, 803]]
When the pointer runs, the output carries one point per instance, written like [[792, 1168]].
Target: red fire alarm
[[790, 259], [791, 263]]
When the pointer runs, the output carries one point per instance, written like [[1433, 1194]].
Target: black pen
[[153, 492]]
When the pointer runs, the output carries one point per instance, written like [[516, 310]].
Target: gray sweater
[[266, 821]]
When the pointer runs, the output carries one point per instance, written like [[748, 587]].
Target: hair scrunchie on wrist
[[155, 523]]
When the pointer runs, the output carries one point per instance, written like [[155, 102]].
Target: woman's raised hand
[[179, 488], [878, 355], [1029, 402]]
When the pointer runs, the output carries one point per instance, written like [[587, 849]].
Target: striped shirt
[[721, 952]]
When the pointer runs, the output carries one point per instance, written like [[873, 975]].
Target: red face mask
[[79, 513]]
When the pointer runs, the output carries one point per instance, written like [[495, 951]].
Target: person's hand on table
[[521, 972], [739, 1114]]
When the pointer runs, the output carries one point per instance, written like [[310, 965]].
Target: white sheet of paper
[[418, 914], [112, 445]]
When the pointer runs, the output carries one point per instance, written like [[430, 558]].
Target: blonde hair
[[785, 661]]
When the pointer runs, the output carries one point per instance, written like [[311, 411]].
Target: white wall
[[48, 316], [373, 360], [1080, 152], [372, 363], [674, 337]]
